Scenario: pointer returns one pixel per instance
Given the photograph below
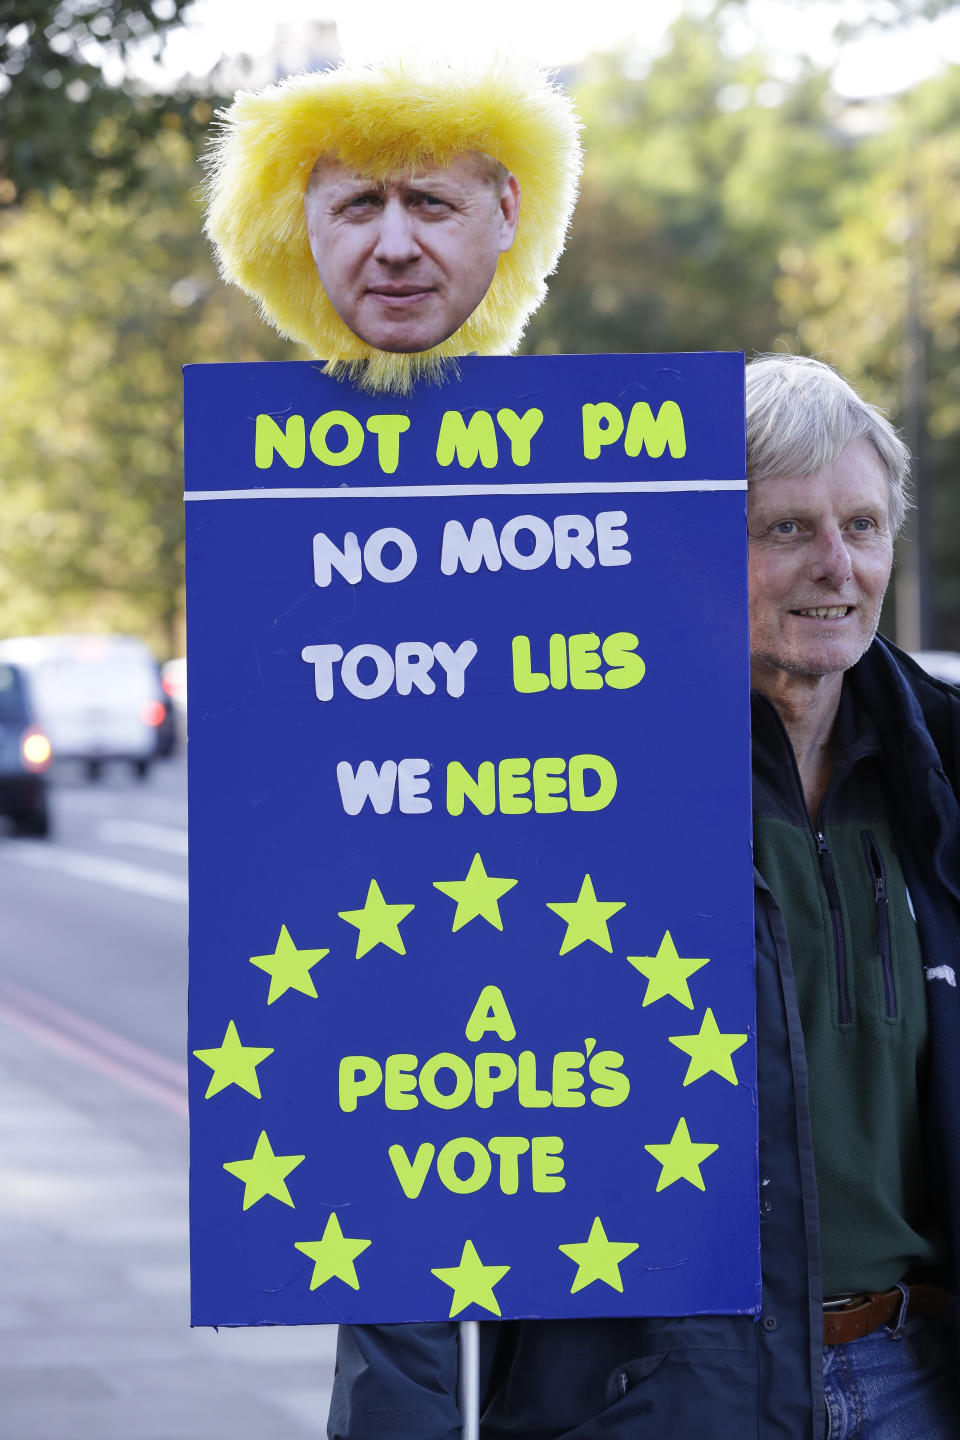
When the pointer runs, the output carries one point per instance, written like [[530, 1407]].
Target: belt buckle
[[844, 1301]]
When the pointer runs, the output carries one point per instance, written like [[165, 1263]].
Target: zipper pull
[[876, 865], [822, 846]]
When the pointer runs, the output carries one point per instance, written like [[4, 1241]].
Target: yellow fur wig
[[386, 122]]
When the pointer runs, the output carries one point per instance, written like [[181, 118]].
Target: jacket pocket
[[690, 1394], [627, 1377]]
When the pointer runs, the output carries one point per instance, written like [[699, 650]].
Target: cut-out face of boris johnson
[[374, 212], [406, 261]]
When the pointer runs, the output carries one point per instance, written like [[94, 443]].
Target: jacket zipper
[[844, 1012], [878, 874]]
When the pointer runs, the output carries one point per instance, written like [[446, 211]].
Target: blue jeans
[[894, 1386]]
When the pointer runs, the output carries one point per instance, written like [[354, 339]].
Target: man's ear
[[509, 206]]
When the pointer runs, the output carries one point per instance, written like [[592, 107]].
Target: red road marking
[[90, 1044]]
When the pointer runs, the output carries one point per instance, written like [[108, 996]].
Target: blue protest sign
[[471, 906]]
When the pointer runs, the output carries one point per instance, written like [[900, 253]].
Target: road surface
[[95, 1341]]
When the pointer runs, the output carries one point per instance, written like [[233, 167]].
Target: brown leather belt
[[867, 1312]]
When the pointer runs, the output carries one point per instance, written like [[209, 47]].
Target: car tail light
[[152, 712], [36, 750]]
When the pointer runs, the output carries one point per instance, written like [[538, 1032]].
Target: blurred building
[[298, 45]]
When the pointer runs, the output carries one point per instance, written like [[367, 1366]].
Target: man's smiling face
[[821, 551], [405, 262]]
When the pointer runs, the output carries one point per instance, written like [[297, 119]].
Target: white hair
[[802, 415]]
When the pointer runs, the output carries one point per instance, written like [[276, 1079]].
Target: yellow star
[[476, 895], [288, 967], [681, 1158], [586, 917], [264, 1173], [471, 1281], [598, 1258], [377, 922], [709, 1050], [667, 972], [333, 1255], [233, 1063]]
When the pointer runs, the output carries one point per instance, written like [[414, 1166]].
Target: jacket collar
[[894, 692]]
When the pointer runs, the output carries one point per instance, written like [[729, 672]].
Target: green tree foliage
[[101, 303], [722, 207], [725, 209], [879, 296], [59, 63], [698, 174]]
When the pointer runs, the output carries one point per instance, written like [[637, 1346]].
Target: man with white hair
[[857, 848], [856, 832]]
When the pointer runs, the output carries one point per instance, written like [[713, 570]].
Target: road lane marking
[[85, 1041], [137, 879], [144, 832]]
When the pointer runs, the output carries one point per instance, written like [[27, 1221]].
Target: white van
[[97, 697]]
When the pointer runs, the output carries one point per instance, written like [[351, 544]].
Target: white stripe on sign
[[559, 487], [136, 879], [145, 833]]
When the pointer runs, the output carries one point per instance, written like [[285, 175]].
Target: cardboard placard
[[471, 904]]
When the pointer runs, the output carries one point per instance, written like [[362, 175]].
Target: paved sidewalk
[[94, 1331]]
